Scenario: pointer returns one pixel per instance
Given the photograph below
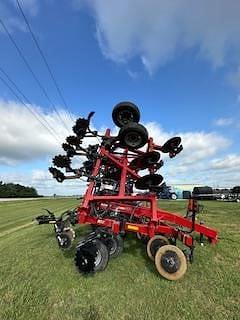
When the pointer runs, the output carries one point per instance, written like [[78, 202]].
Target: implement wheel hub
[[170, 262]]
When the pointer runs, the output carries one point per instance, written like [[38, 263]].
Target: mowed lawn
[[39, 281]]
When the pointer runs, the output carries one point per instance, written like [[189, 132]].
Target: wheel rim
[[98, 258], [133, 139], [125, 116]]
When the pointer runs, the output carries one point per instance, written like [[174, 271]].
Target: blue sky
[[182, 72]]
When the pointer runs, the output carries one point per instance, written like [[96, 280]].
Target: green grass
[[39, 281]]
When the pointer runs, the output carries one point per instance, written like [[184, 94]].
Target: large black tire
[[133, 136], [124, 113], [92, 257], [114, 245], [148, 181]]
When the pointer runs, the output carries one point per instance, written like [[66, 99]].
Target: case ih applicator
[[111, 205]]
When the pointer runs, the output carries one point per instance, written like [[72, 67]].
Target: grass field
[[39, 281]]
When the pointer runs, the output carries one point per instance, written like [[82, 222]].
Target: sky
[[178, 60]]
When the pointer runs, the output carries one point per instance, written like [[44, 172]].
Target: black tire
[[133, 136], [92, 257], [144, 161], [148, 181], [124, 113], [102, 251], [114, 245]]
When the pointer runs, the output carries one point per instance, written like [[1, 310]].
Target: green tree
[[11, 190]]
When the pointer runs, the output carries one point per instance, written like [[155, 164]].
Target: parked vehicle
[[203, 193], [186, 194], [166, 193]]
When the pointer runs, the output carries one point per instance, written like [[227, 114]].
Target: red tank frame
[[157, 221]]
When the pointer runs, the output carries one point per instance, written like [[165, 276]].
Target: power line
[[29, 109], [32, 72], [27, 100], [44, 58]]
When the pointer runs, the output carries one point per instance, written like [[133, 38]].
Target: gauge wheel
[[170, 262], [92, 257], [64, 239], [124, 113], [154, 244], [114, 245], [133, 136], [102, 257]]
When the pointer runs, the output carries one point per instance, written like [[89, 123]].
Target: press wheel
[[154, 244], [170, 262]]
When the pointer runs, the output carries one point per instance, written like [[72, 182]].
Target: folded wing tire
[[124, 113], [148, 181], [133, 136]]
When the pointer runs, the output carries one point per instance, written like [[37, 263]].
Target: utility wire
[[31, 71], [44, 58], [29, 109], [27, 100]]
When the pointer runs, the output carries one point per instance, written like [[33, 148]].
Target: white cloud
[[197, 145], [224, 122], [10, 13], [230, 162], [156, 30], [24, 138]]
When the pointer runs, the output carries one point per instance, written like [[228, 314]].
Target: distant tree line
[[12, 190]]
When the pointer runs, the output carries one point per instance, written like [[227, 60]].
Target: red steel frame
[[155, 220]]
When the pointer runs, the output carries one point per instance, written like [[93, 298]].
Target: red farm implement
[[112, 204]]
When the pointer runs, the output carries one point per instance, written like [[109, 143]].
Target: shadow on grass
[[135, 247]]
